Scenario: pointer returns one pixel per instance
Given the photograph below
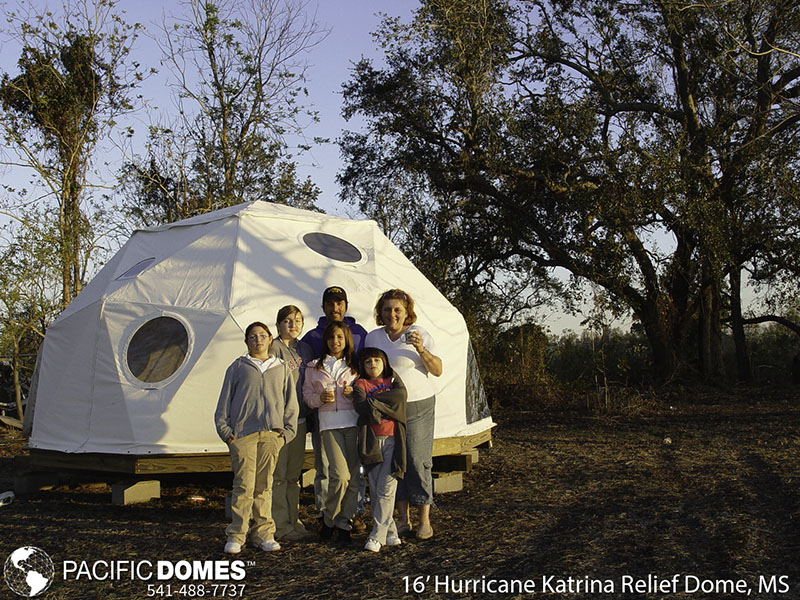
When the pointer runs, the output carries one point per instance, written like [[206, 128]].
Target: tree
[[617, 141], [238, 73], [29, 296], [395, 174], [73, 84]]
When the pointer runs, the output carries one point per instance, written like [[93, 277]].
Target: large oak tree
[[632, 144]]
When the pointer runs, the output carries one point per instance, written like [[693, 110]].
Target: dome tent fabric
[[135, 363]]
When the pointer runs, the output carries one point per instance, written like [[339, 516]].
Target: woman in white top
[[412, 355]]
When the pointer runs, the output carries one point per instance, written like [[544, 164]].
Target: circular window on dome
[[158, 349], [332, 247]]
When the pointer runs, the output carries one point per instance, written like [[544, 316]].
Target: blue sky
[[351, 23]]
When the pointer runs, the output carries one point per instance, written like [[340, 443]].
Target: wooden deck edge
[[43, 460], [131, 464]]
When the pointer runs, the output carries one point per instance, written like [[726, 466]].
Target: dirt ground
[[699, 485]]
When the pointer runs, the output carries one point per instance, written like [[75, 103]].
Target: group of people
[[367, 400]]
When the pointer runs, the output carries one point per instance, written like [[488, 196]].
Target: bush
[[774, 351]]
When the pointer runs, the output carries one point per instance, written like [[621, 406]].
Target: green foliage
[[72, 85], [626, 143], [29, 298], [513, 365], [613, 358], [776, 353]]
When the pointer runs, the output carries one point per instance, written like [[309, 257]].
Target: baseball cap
[[334, 293]]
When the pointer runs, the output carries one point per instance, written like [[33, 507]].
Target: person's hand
[[415, 339], [230, 438], [328, 396], [348, 390]]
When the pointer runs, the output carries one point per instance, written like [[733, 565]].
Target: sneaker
[[233, 548], [393, 540], [424, 532], [373, 545], [269, 546]]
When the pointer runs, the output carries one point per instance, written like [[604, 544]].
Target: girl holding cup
[[328, 387]]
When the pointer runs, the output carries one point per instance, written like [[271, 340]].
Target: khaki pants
[[286, 485], [253, 460], [341, 448]]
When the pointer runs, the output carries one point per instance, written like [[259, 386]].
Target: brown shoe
[[424, 532], [403, 529], [297, 536], [358, 525]]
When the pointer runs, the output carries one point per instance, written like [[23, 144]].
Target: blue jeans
[[382, 487], [417, 485]]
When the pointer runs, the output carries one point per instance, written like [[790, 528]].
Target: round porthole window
[[158, 349], [332, 247]]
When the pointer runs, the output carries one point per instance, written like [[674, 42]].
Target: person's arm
[[363, 404], [291, 407], [310, 396], [222, 413], [360, 399], [432, 362], [389, 403]]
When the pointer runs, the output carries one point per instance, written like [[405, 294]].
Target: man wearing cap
[[334, 305]]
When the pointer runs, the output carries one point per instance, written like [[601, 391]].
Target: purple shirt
[[314, 337]]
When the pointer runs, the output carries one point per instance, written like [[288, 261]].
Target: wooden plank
[[453, 462], [447, 482], [200, 463], [129, 463], [134, 492], [40, 460], [63, 461], [308, 460], [11, 421], [457, 445]]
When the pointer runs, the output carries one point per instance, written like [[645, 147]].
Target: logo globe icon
[[29, 571]]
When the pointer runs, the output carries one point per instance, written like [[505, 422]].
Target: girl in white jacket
[[328, 387]]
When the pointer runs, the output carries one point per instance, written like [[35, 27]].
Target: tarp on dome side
[[135, 363]]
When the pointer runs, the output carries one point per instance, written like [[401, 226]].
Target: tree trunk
[[660, 333], [15, 376], [744, 369], [717, 362], [710, 327]]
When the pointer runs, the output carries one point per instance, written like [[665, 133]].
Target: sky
[[351, 24]]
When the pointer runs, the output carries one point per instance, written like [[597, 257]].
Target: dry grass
[[700, 483]]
